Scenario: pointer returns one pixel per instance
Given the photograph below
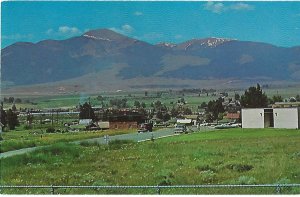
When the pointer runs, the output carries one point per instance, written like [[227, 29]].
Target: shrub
[[283, 181], [61, 149], [245, 180], [166, 178], [295, 155], [201, 168], [117, 144], [208, 176], [26, 127], [239, 167], [50, 130], [88, 144]]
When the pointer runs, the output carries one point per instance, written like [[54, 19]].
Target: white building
[[257, 118], [268, 117], [85, 122], [286, 118]]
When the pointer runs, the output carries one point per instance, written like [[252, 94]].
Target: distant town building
[[85, 122], [233, 116], [126, 121], [123, 125], [1, 127], [286, 104]]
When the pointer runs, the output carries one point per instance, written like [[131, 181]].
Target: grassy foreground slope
[[233, 156], [30, 138]]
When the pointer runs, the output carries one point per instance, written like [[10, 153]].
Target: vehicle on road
[[145, 127], [180, 129]]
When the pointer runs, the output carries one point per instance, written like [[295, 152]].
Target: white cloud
[[137, 13], [64, 31], [241, 6], [68, 30], [127, 28], [217, 7], [17, 36], [214, 7], [178, 36], [124, 29], [49, 31]]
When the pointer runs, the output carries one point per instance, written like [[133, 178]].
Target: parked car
[[145, 127], [180, 129]]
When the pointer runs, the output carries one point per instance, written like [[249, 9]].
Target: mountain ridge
[[25, 63]]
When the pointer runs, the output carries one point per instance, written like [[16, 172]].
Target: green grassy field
[[233, 156], [30, 138], [193, 100]]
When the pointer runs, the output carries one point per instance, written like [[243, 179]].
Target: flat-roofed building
[[288, 118], [257, 118]]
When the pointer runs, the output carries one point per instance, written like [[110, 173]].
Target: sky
[[277, 23]]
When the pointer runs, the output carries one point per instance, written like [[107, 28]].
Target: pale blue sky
[[277, 23]]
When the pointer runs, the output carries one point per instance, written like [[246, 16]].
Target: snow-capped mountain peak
[[206, 42], [213, 42], [166, 44], [96, 38]]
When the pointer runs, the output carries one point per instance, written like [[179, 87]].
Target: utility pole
[[52, 117], [90, 108], [57, 117]]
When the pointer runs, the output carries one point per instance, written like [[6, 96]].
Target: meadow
[[71, 101], [169, 98], [230, 156], [15, 140]]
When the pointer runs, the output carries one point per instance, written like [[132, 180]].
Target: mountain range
[[104, 58]]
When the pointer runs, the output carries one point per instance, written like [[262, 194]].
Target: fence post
[[52, 189], [278, 189], [158, 190]]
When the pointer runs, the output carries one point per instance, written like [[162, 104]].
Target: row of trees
[[12, 100], [9, 118], [252, 98]]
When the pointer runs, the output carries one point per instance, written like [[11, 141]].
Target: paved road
[[138, 137], [18, 152]]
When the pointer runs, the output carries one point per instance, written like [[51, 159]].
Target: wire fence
[[167, 189]]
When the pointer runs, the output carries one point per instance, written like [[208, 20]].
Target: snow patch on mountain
[[213, 42], [206, 42], [96, 38], [166, 44]]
